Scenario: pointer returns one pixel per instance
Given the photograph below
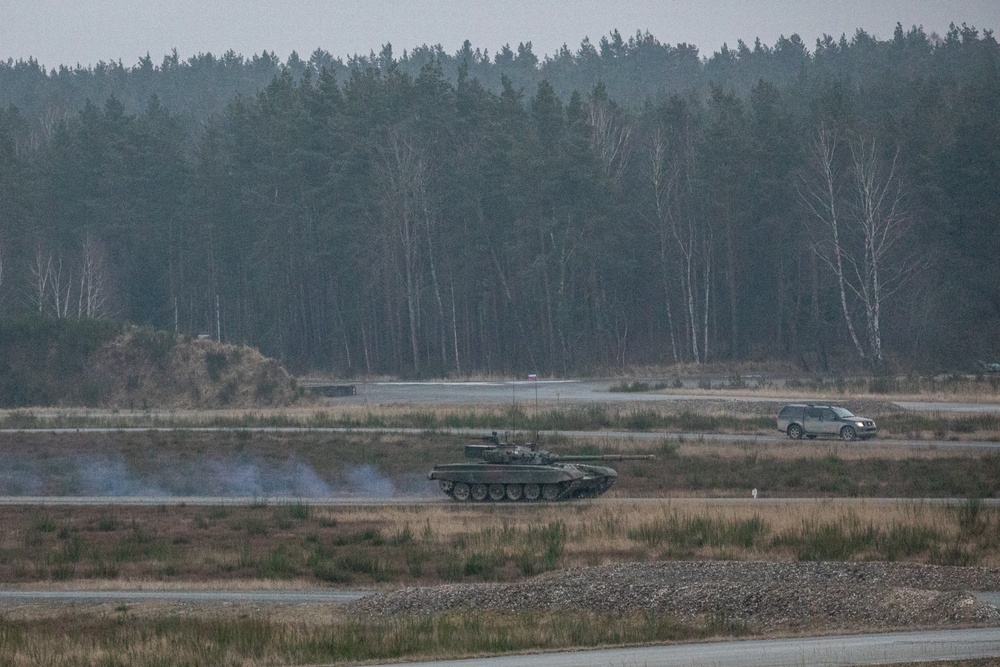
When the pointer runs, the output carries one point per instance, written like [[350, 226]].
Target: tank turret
[[511, 472]]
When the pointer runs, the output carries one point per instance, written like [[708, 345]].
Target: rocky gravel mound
[[762, 595]]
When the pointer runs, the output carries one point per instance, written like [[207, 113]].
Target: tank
[[505, 472]]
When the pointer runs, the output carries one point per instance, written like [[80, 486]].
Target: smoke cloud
[[367, 480], [237, 476]]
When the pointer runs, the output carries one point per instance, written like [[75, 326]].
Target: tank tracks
[[498, 493]]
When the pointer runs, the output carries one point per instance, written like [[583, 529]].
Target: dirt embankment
[[764, 596], [95, 363], [139, 370]]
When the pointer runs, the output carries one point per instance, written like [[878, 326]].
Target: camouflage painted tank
[[508, 472]]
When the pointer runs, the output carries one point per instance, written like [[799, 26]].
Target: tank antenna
[[513, 409], [534, 380]]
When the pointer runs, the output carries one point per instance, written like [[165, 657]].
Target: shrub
[[482, 565], [44, 360]]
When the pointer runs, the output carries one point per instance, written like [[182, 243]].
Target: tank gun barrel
[[603, 457]]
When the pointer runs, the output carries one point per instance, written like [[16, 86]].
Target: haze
[[56, 32]]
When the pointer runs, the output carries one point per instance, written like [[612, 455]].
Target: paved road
[[523, 392], [476, 432], [574, 391], [838, 651]]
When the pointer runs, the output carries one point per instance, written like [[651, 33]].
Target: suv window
[[787, 412], [829, 415], [814, 413]]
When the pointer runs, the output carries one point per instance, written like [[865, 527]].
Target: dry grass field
[[298, 546], [766, 381], [247, 636], [388, 546]]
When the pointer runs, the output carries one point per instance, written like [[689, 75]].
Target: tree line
[[432, 214]]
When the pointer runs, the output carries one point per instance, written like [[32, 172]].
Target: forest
[[623, 205]]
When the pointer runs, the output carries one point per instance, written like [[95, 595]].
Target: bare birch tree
[[430, 221], [883, 223], [663, 179], [679, 228], [609, 139], [61, 287], [408, 211], [93, 298], [54, 279], [41, 270], [858, 200], [44, 128], [397, 171]]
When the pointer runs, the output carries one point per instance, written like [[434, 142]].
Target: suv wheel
[[848, 433], [794, 431]]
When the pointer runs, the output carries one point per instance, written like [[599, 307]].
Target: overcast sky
[[86, 31]]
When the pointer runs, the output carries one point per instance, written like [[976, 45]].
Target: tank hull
[[490, 482]]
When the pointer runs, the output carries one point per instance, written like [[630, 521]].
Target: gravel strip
[[763, 595]]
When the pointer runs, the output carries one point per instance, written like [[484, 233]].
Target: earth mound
[[140, 370], [99, 364]]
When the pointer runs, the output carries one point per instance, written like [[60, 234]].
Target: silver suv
[[810, 420]]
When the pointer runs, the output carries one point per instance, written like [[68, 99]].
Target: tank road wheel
[[532, 492], [550, 491], [460, 491], [794, 431], [479, 492], [497, 492], [848, 433], [514, 492]]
